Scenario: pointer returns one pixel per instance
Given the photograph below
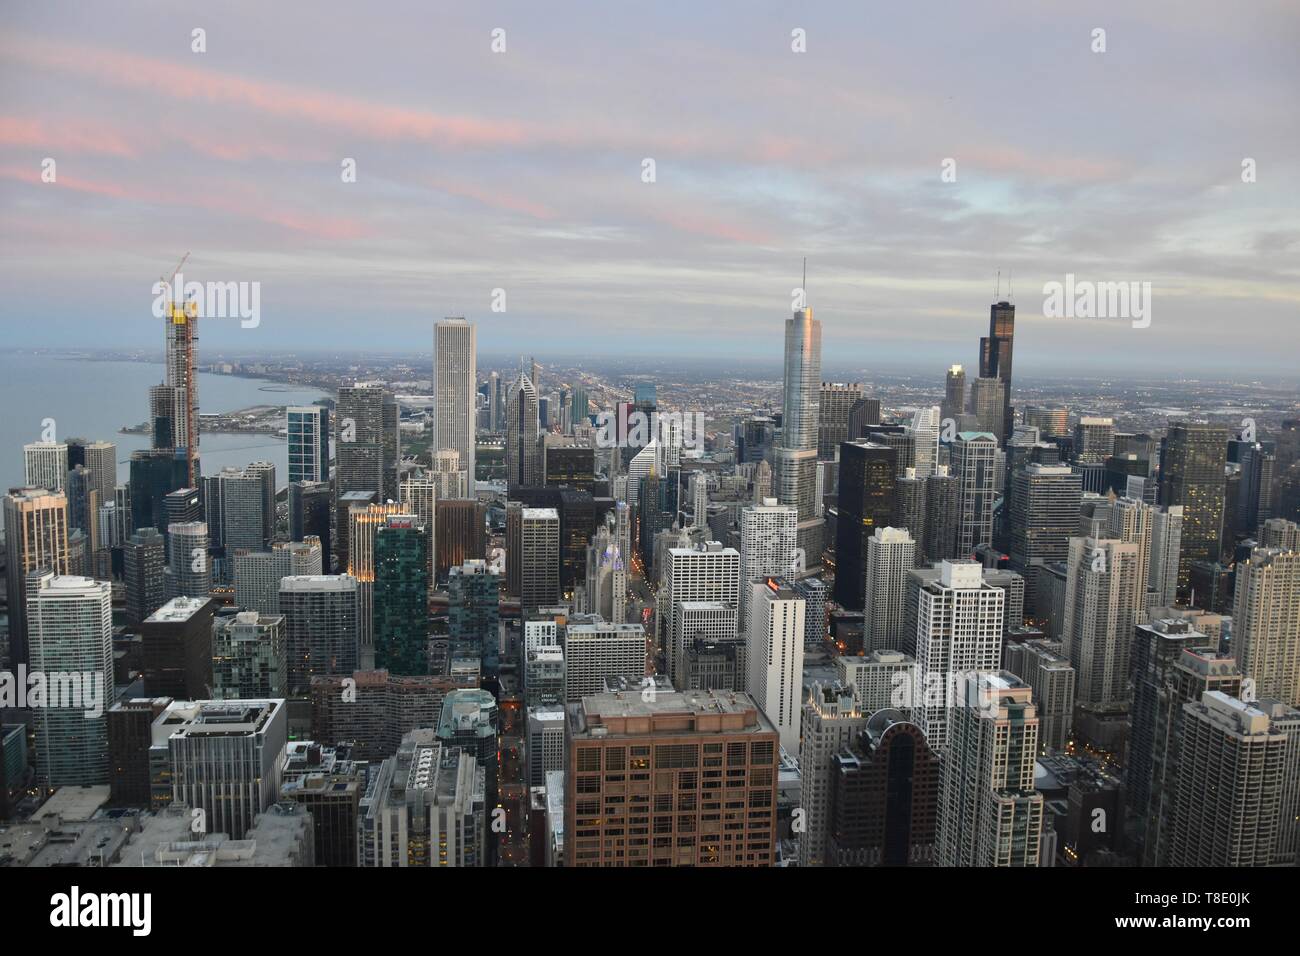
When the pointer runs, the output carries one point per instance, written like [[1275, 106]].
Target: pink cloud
[[73, 135]]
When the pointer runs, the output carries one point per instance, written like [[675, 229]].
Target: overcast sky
[[523, 170]]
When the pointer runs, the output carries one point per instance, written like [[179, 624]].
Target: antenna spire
[[997, 288]]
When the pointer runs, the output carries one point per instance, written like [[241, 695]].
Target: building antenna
[[804, 285], [1011, 296], [997, 288]]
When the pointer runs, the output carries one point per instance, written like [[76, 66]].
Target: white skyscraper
[[1166, 543], [958, 630], [70, 641], [700, 500], [455, 399], [45, 464], [1266, 623], [774, 650], [597, 650], [989, 812], [706, 573], [1099, 617], [891, 554], [926, 425], [1132, 521], [769, 534]]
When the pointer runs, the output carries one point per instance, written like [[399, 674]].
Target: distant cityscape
[[943, 620]]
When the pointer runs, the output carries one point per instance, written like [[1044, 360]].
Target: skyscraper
[[144, 557], [70, 629], [473, 610], [768, 537], [884, 796], [706, 573], [832, 720], [836, 401], [991, 815], [926, 426], [996, 352], [1229, 785], [954, 393], [988, 406], [1266, 623], [1192, 475], [868, 473], [1099, 616], [401, 596], [774, 651], [974, 456], [36, 539], [454, 392], [190, 570], [891, 554], [667, 728], [523, 434], [539, 582], [308, 429], [322, 635], [45, 464], [958, 630], [359, 447], [1044, 504], [795, 457]]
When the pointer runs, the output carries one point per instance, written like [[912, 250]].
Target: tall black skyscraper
[[995, 354], [867, 501]]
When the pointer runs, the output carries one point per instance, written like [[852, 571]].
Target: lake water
[[92, 400]]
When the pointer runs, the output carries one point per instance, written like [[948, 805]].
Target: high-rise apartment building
[[1099, 616], [769, 534], [774, 640], [1266, 623], [36, 539], [45, 464], [958, 630], [1229, 785], [891, 554], [832, 720], [974, 458], [249, 656], [990, 813], [322, 634]]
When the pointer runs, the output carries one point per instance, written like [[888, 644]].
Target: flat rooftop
[[667, 712]]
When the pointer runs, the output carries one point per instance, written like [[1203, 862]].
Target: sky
[[523, 169]]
